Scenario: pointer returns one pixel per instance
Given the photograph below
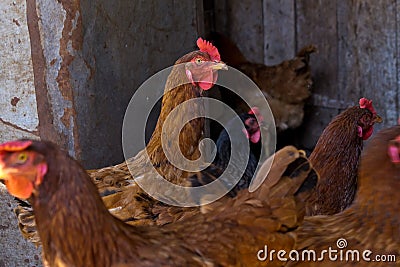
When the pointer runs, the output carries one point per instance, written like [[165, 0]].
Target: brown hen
[[336, 157], [371, 222], [286, 86], [77, 230], [191, 75]]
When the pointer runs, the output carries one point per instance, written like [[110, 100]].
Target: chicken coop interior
[[70, 68]]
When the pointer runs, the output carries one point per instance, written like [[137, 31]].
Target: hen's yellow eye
[[199, 60], [22, 157]]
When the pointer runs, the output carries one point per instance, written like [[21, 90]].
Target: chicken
[[76, 229], [336, 157], [286, 86], [191, 75], [252, 132], [372, 221]]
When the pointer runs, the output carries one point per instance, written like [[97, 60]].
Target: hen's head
[[21, 168], [202, 66], [252, 126], [368, 117]]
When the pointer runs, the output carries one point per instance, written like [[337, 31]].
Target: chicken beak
[[3, 174], [219, 66], [377, 119], [302, 153]]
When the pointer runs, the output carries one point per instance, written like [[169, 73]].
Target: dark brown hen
[[371, 222], [286, 86], [336, 157], [77, 230]]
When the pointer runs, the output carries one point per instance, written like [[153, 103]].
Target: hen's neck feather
[[338, 141], [72, 221], [191, 133], [336, 158]]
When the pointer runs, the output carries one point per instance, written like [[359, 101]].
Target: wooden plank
[[241, 20], [279, 30], [220, 20], [368, 55], [200, 18], [316, 24]]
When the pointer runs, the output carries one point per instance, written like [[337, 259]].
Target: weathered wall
[[18, 116], [15, 251], [55, 33], [18, 119], [358, 47], [124, 43]]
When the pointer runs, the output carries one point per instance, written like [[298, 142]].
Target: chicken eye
[[22, 157], [198, 61]]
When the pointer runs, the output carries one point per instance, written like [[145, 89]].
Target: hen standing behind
[[336, 157], [250, 129], [286, 86], [77, 230], [372, 221], [246, 134]]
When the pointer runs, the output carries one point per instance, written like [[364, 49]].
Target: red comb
[[365, 103], [256, 111], [208, 47], [13, 146]]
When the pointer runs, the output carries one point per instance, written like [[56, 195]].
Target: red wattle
[[255, 137], [368, 133], [19, 187], [207, 81]]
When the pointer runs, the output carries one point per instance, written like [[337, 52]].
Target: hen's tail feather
[[22, 203], [27, 223], [299, 178], [288, 194], [306, 51]]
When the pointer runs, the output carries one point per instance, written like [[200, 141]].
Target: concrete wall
[[15, 251], [18, 119], [18, 116]]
